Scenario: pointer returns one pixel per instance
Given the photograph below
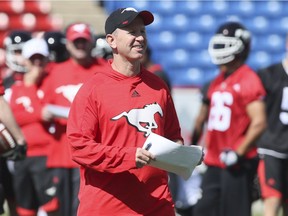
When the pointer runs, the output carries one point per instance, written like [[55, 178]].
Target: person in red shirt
[[61, 85], [33, 183], [12, 70], [111, 117], [8, 119], [236, 118]]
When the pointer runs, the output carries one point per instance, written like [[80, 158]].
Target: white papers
[[173, 157], [58, 111]]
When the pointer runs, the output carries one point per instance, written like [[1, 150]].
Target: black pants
[[67, 190], [6, 184], [227, 192]]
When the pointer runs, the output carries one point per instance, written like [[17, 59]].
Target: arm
[[256, 112], [202, 115], [85, 138], [7, 117]]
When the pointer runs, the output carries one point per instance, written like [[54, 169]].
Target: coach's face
[[131, 41]]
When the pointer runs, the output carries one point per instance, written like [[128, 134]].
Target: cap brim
[[36, 52], [77, 36], [147, 17]]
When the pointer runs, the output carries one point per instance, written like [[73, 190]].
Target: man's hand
[[46, 114], [143, 157], [229, 158], [18, 153]]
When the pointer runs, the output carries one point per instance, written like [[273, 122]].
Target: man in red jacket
[[110, 119], [62, 84], [33, 183]]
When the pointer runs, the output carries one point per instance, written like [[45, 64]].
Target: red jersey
[[26, 103], [1, 86], [111, 117], [228, 120], [60, 88]]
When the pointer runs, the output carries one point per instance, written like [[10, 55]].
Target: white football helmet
[[232, 40]]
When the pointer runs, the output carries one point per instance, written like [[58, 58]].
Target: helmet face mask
[[231, 41], [13, 44], [102, 48]]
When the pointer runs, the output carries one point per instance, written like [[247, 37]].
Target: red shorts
[[273, 177]]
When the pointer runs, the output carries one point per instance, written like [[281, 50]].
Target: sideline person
[[111, 117], [33, 181], [8, 119], [273, 145], [236, 119], [60, 87]]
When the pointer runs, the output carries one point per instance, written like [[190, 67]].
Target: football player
[[34, 184], [273, 146], [7, 118], [13, 44], [236, 118]]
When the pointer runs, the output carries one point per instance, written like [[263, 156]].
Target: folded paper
[[172, 156], [58, 111]]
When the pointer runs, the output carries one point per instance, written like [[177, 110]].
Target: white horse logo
[[26, 102], [69, 91], [143, 118]]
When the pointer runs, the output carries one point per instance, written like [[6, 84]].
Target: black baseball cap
[[124, 16]]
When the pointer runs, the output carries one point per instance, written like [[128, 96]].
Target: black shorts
[[6, 183], [34, 185], [68, 189], [2, 196], [273, 176], [227, 192]]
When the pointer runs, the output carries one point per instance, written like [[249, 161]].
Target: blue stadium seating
[[190, 8], [167, 7], [157, 25], [280, 25], [271, 9], [180, 34], [216, 8], [162, 40], [244, 8], [259, 59], [177, 22], [192, 40]]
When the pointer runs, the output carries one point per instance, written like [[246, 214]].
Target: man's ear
[[110, 38]]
